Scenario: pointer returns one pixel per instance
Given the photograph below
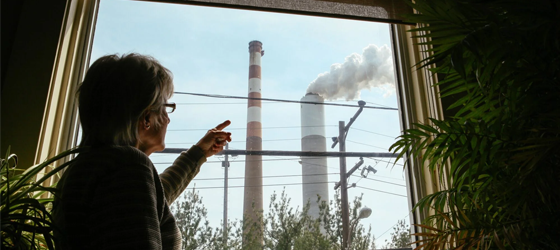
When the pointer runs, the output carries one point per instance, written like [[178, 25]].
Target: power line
[[365, 144], [290, 184], [294, 139], [280, 100], [209, 103], [205, 129], [290, 153], [379, 237], [378, 104], [367, 131], [268, 176], [392, 183], [297, 159], [288, 159], [179, 143], [296, 175], [229, 103], [269, 102], [381, 191], [289, 127], [264, 185], [402, 165]]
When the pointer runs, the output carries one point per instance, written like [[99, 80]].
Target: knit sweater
[[113, 198]]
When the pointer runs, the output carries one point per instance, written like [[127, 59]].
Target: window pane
[[207, 51]]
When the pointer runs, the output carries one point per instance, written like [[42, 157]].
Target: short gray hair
[[116, 92]]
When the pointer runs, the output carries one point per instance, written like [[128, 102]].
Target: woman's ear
[[146, 120]]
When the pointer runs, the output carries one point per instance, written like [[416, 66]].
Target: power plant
[[372, 69], [314, 169]]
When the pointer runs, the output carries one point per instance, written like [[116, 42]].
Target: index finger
[[223, 125]]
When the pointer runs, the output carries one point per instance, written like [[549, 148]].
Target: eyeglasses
[[170, 107]]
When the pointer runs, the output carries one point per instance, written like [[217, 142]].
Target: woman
[[111, 196]]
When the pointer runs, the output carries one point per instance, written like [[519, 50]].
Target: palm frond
[[500, 61]]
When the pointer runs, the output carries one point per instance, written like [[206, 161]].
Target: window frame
[[59, 128], [417, 96]]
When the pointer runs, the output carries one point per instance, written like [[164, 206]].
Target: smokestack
[[314, 169], [253, 196], [372, 69]]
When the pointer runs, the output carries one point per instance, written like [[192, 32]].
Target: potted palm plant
[[498, 149], [26, 204]]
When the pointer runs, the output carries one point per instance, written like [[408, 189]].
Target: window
[[207, 50], [203, 53]]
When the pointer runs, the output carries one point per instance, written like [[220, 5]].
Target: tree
[[192, 220], [400, 237], [284, 226]]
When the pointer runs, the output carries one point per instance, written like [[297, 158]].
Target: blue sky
[[207, 51]]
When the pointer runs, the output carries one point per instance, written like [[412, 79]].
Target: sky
[[206, 48]]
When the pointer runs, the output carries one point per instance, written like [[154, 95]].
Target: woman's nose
[[168, 119]]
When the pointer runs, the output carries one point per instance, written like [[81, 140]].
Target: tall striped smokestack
[[314, 169], [253, 199]]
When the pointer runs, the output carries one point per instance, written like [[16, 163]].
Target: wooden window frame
[[417, 96]]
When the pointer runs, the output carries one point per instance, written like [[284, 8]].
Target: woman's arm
[[177, 177]]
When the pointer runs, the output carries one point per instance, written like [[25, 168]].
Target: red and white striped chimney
[[253, 197]]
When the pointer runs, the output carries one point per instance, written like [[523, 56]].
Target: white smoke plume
[[372, 69]]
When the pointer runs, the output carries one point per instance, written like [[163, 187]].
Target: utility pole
[[343, 184], [342, 132], [225, 164]]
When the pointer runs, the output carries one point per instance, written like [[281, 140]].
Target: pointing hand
[[215, 140]]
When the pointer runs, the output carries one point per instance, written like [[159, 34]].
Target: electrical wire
[[290, 159], [179, 143], [384, 161], [377, 104], [208, 103], [280, 100], [268, 176], [297, 175], [289, 184], [273, 140], [205, 129], [365, 144], [297, 159], [381, 191], [379, 237], [268, 102], [367, 131], [294, 175], [284, 127], [263, 185]]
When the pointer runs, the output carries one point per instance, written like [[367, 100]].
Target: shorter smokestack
[[314, 169]]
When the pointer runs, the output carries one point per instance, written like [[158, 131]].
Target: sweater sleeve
[[177, 177]]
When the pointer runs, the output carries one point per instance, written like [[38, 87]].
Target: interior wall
[[35, 30], [11, 10]]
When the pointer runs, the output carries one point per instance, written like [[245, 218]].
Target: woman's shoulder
[[111, 158], [126, 153]]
